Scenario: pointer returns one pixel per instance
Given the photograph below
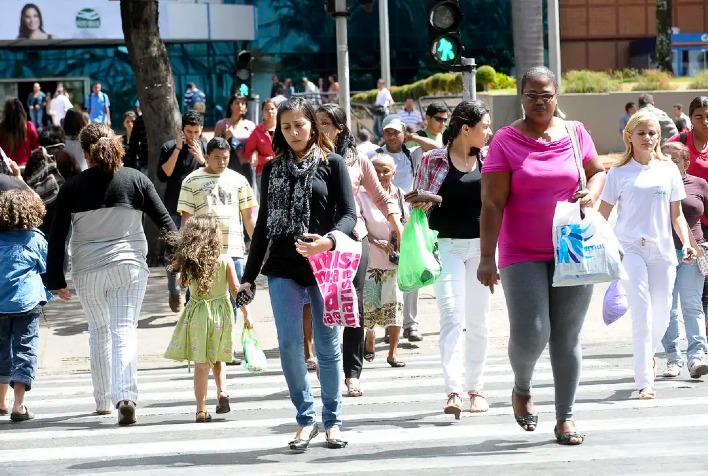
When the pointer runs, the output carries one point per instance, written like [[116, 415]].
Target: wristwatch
[[334, 240]]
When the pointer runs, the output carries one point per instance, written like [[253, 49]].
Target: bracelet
[[177, 148]]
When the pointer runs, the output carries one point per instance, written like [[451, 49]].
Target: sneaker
[[103, 412], [412, 335], [672, 370], [698, 368], [126, 413], [175, 302]]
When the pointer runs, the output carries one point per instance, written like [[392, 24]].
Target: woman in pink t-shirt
[[529, 168]]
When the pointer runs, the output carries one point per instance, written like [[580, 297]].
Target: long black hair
[[345, 139], [13, 126], [469, 113], [299, 104]]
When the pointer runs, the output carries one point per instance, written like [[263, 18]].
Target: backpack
[[683, 137], [407, 153], [45, 179]]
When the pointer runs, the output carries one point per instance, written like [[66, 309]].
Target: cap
[[393, 122]]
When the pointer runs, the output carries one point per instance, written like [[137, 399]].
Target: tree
[[527, 27], [155, 85], [664, 22]]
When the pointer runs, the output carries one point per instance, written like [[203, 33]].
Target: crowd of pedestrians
[[262, 199]]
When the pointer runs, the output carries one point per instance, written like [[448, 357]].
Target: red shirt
[[22, 153], [259, 140], [699, 161]]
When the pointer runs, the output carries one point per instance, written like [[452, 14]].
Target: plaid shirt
[[432, 171]]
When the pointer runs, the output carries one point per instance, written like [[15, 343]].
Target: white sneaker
[[698, 368], [672, 370]]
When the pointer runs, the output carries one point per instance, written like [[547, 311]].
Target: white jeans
[[463, 303], [649, 294], [111, 298]]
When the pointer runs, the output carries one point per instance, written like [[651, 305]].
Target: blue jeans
[[36, 116], [19, 339], [286, 298], [688, 287], [172, 283]]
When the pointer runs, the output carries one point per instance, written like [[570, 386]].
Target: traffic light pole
[[340, 19], [469, 74], [385, 43]]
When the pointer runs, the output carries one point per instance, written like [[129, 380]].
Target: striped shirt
[[410, 118], [223, 196]]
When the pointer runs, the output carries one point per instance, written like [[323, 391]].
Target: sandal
[[205, 418], [569, 438], [223, 405], [353, 391], [369, 356], [452, 407], [311, 365], [647, 393], [475, 395], [395, 363], [527, 422]]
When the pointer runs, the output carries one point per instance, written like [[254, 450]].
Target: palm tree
[[527, 25], [664, 22]]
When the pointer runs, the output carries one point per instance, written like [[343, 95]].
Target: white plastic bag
[[586, 248]]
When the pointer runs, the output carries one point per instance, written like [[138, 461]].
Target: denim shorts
[[19, 340]]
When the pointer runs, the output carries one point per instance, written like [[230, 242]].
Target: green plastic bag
[[419, 263], [254, 358]]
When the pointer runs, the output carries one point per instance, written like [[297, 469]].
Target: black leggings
[[353, 337]]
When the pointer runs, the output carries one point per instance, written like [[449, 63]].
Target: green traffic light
[[243, 89], [446, 50]]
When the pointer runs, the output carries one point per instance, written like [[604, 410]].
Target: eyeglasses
[[536, 96], [441, 120]]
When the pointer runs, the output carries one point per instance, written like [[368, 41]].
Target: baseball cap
[[392, 121]]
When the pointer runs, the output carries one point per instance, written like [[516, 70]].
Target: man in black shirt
[[179, 158]]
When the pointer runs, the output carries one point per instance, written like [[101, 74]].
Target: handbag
[[586, 250], [417, 196], [702, 260], [45, 179]]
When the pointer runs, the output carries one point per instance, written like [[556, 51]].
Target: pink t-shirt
[[542, 174]]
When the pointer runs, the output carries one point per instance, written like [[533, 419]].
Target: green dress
[[204, 331]]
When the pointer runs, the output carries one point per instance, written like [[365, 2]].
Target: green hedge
[[585, 81], [700, 81], [653, 80]]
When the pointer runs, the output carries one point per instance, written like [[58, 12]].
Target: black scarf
[[289, 213]]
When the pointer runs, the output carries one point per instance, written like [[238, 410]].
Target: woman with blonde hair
[[103, 206], [647, 189]]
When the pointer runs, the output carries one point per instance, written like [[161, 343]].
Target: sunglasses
[[441, 120], [536, 96]]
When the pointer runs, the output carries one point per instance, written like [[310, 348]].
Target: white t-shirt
[[59, 105], [367, 147], [383, 98], [643, 196]]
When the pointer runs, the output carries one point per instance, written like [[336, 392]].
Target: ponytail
[[103, 150]]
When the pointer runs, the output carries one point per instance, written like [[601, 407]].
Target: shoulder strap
[[573, 133], [683, 137], [380, 150], [400, 205]]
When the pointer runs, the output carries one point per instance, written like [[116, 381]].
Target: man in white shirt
[[59, 105], [365, 145], [384, 100], [410, 116], [679, 114], [280, 96], [312, 91], [407, 162]]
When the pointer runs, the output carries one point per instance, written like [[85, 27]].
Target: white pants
[[649, 294], [111, 298], [463, 302]]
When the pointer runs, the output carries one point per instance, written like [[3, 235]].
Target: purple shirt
[[542, 174], [694, 207]]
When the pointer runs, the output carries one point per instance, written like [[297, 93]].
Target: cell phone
[[243, 297], [302, 238]]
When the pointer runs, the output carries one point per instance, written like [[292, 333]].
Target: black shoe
[[386, 338], [18, 417], [336, 443], [126, 413], [301, 445], [412, 335]]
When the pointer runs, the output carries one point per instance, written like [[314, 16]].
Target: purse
[[417, 196], [702, 261]]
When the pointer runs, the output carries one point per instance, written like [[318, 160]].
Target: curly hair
[[105, 151], [196, 254], [20, 209]]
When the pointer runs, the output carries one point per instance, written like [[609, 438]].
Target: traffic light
[[444, 22], [242, 78]]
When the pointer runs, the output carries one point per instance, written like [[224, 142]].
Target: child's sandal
[[205, 418], [223, 405]]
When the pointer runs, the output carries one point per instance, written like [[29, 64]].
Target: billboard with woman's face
[[99, 21]]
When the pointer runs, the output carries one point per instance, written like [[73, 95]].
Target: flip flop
[[353, 391], [17, 417], [395, 363], [567, 438], [311, 365], [223, 405], [369, 356]]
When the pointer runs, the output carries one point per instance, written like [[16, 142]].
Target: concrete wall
[[599, 112]]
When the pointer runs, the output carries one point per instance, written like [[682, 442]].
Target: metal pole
[[343, 58], [554, 54], [254, 108], [469, 86], [385, 47]]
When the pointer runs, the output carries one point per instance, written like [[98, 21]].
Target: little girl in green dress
[[204, 332]]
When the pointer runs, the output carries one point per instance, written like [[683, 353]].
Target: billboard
[[99, 21]]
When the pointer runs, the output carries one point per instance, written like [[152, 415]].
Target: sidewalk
[[64, 337]]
